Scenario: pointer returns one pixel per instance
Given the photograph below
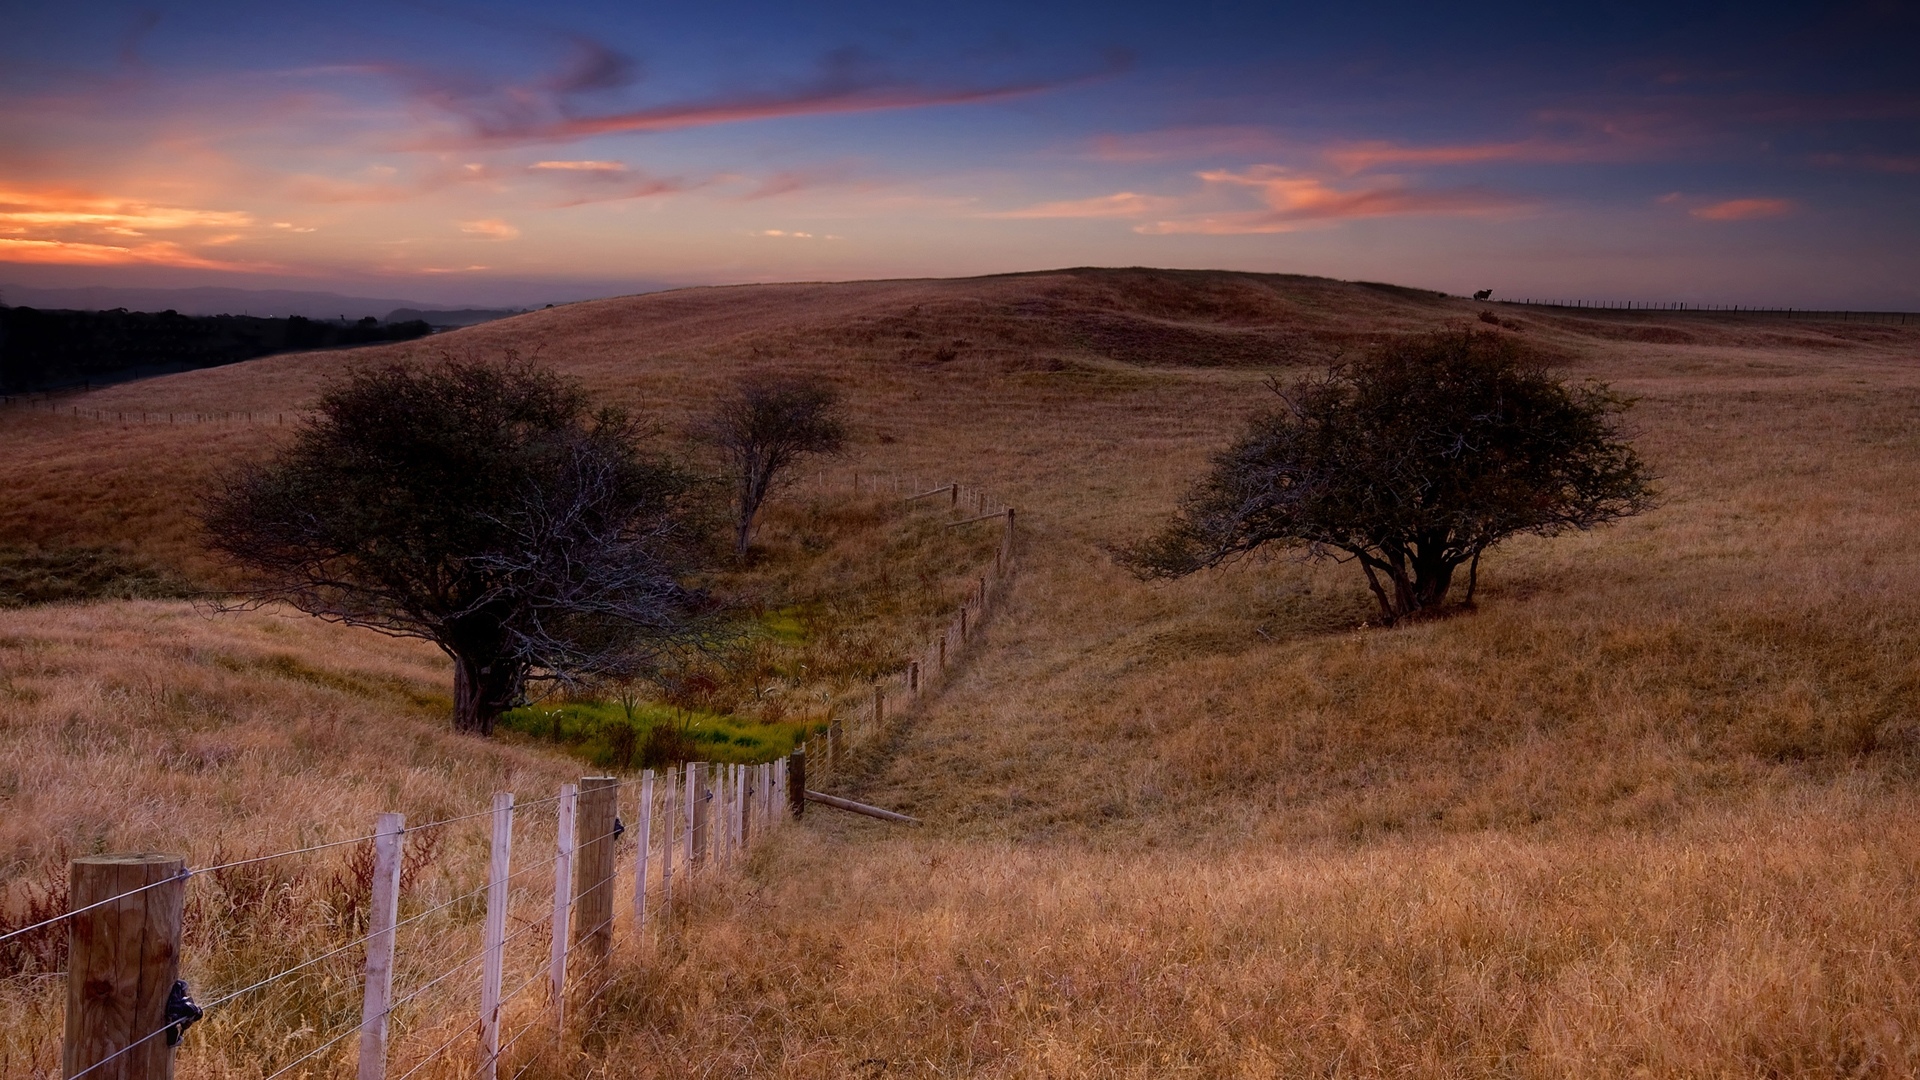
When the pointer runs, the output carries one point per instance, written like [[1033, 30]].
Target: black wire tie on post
[[181, 1012]]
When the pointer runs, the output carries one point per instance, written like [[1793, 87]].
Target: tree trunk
[[482, 690]]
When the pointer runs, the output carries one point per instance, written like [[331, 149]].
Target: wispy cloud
[[491, 228], [1743, 209], [849, 81], [580, 166], [1121, 204], [1288, 199], [60, 226], [77, 253]]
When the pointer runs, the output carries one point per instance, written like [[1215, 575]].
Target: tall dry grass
[[1647, 811]]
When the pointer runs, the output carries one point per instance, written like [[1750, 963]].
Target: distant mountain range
[[280, 303]]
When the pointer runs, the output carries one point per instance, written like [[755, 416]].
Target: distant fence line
[[1891, 318], [53, 406], [125, 1010]]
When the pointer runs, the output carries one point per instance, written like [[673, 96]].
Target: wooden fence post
[[749, 796], [383, 911], [122, 959], [669, 813], [494, 935], [943, 652], [953, 494], [646, 849], [562, 904], [797, 781], [698, 795], [593, 867], [963, 624], [879, 707], [913, 677]]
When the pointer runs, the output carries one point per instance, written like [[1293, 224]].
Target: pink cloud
[[77, 253], [1743, 209], [580, 166], [1121, 204], [1294, 200]]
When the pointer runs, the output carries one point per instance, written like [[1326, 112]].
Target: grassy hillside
[[1651, 809]]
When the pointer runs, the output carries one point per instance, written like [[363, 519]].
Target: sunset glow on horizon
[[512, 155]]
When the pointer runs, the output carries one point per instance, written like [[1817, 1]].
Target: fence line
[[721, 814], [1884, 318]]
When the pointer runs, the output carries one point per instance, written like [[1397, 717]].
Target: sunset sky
[[524, 153]]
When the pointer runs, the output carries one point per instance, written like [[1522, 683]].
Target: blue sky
[[515, 153]]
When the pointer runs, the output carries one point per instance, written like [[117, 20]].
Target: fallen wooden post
[[861, 808], [995, 516]]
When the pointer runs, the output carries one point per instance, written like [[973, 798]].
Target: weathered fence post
[[913, 677], [879, 707], [593, 868], [943, 652], [383, 911], [963, 624], [494, 934], [698, 796], [562, 903], [797, 781], [669, 812], [122, 960], [645, 825]]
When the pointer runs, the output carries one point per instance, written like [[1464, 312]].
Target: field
[[1649, 810]]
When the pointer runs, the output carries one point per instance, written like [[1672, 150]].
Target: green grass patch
[[55, 575], [655, 735]]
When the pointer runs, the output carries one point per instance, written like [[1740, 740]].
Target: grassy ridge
[[1648, 811]]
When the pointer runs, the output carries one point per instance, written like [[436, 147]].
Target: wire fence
[[1884, 318], [435, 958]]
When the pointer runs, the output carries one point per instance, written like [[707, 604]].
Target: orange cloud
[[580, 166], [1744, 209], [23, 211], [1294, 200], [63, 252], [1364, 156], [1120, 204], [491, 228]]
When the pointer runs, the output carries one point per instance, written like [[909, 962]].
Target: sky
[[527, 153]]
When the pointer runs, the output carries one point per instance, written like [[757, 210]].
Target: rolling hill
[[1649, 810]]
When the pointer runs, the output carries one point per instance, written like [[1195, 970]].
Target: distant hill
[[442, 318], [208, 300]]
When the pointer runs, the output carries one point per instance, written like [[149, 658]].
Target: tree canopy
[[1412, 461], [484, 507], [761, 428]]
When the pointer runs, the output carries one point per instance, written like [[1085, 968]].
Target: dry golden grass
[[1650, 810]]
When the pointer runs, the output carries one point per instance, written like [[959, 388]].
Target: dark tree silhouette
[[1412, 462], [481, 507], [765, 425]]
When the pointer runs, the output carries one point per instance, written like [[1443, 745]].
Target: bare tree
[[765, 425], [480, 507], [1411, 462]]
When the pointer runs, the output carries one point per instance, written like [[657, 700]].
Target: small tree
[[480, 507], [1411, 462], [765, 425]]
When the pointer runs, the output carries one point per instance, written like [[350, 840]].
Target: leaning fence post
[[383, 912], [494, 935], [562, 903], [122, 960], [646, 849], [593, 867]]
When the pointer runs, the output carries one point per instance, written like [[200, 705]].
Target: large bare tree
[[483, 507], [761, 428], [1412, 462]]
